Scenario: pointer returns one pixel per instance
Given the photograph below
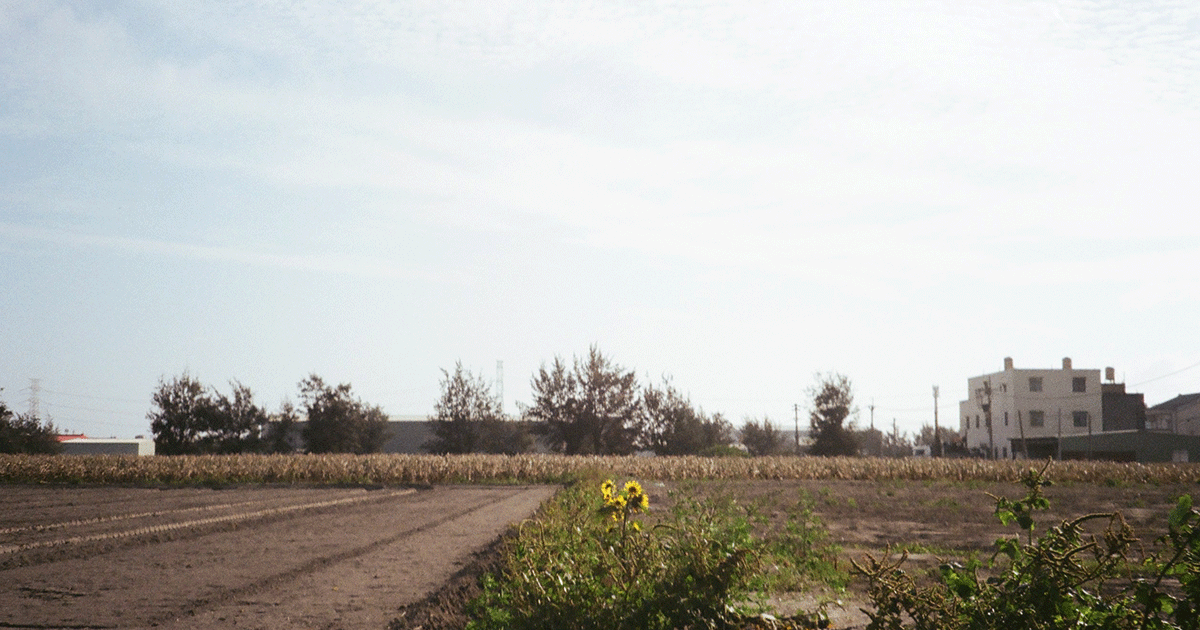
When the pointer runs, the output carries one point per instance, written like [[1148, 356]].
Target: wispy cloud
[[359, 266]]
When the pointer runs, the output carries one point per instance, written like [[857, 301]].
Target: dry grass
[[426, 469]]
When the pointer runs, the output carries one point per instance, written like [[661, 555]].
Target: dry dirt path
[[254, 557]]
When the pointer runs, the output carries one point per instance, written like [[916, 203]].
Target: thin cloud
[[345, 265]]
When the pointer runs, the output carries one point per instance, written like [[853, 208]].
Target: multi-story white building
[[1027, 411]]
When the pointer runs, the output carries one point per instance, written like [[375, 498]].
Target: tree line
[[24, 433], [190, 418], [587, 406], [592, 406]]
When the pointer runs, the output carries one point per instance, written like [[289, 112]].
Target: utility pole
[[35, 390], [872, 408], [937, 432], [796, 410], [1059, 445], [500, 384], [984, 398], [1021, 426]]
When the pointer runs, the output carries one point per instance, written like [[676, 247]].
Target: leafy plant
[[1067, 578], [591, 562]]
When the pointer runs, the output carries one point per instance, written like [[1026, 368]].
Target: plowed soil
[[252, 557]]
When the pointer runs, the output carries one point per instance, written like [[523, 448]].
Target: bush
[[1067, 578], [609, 571], [22, 433]]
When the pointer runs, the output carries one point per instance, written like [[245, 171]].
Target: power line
[[1157, 378], [125, 400]]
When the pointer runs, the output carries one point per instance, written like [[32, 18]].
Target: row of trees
[[24, 433], [594, 406], [590, 406], [190, 418]]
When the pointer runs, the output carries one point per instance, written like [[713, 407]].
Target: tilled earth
[[285, 557], [246, 557]]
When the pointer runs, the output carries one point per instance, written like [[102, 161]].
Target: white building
[[1018, 410], [83, 445]]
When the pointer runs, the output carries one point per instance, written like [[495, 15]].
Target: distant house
[[1180, 415], [408, 434], [1028, 410], [405, 435], [79, 444], [1034, 411]]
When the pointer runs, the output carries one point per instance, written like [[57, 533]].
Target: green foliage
[[189, 419], [761, 438], [670, 425], [591, 409], [279, 431], [22, 433], [468, 419], [595, 561], [832, 404], [338, 422], [1070, 577], [587, 564]]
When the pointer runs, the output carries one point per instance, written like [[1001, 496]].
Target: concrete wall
[[1139, 446]]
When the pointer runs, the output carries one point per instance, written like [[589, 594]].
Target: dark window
[[1080, 418], [1079, 384], [1005, 418], [976, 421], [1037, 418], [1035, 383]]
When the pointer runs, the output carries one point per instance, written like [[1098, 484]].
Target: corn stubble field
[[434, 469]]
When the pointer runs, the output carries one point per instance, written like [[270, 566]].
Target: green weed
[[590, 560], [1069, 577]]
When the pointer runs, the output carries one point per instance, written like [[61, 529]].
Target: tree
[[278, 435], [761, 438], [468, 419], [338, 422], [238, 424], [591, 409], [669, 425], [832, 405], [190, 418], [181, 417], [949, 436], [23, 433]]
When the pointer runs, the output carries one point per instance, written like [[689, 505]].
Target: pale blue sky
[[738, 194]]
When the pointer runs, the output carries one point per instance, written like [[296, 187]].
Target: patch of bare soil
[[247, 557]]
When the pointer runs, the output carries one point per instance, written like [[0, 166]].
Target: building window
[[976, 421], [1035, 383], [1079, 384], [1037, 418], [1005, 418], [1080, 418]]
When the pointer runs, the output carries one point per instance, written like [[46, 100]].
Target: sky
[[734, 195]]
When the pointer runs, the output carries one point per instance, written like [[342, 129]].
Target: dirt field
[[252, 557], [263, 557], [940, 520]]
